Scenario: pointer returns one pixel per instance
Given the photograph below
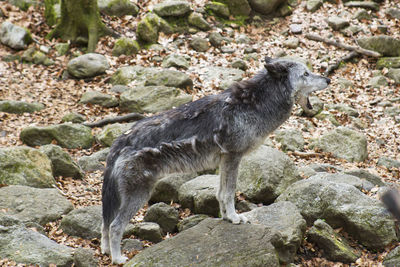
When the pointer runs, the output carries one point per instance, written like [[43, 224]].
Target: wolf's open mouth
[[304, 102]]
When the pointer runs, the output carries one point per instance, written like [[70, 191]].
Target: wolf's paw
[[105, 248], [119, 260], [237, 218]]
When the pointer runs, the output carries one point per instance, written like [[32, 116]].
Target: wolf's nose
[[328, 81]]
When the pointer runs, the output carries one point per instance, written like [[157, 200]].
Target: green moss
[[52, 11], [125, 46]]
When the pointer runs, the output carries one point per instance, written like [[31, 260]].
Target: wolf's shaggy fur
[[215, 130]]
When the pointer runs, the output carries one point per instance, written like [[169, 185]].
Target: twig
[[331, 68], [357, 49], [305, 154], [125, 118]]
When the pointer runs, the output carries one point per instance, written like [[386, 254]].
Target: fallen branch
[[331, 68], [305, 154], [126, 118], [356, 49]]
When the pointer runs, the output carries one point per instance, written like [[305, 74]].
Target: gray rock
[[119, 88], [25, 166], [83, 222], [285, 219], [337, 23], [388, 163], [125, 46], [94, 162], [367, 176], [19, 107], [244, 206], [313, 5], [172, 8], [98, 98], [117, 8], [218, 9], [148, 27], [33, 205], [317, 107], [128, 74], [342, 205], [132, 244], [377, 81], [394, 13], [166, 189], [31, 55], [243, 39], [191, 221], [392, 111], [88, 65], [199, 44], [291, 42], [344, 109], [343, 143], [73, 118], [222, 77], [346, 179], [107, 136], [394, 74], [388, 62], [344, 83], [351, 30], [84, 257], [392, 259], [296, 28], [29, 247], [197, 20], [291, 139], [170, 78], [215, 39], [383, 44], [363, 4], [265, 7], [152, 99], [148, 231], [164, 215], [265, 174], [211, 243], [61, 48], [239, 64], [335, 247], [324, 167], [61, 161], [176, 61], [361, 15], [14, 36], [199, 195], [67, 135]]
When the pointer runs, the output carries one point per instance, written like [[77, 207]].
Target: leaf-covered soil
[[19, 81]]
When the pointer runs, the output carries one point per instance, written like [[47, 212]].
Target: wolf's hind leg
[[226, 191], [129, 206], [105, 240]]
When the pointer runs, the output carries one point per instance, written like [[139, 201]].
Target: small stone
[[14, 36], [292, 42], [216, 39], [88, 65], [20, 107], [199, 44], [119, 88], [98, 98], [191, 221], [176, 61], [377, 81], [73, 117], [296, 28], [217, 8], [388, 162], [197, 20], [394, 74], [132, 244], [125, 46], [362, 14], [313, 5], [148, 231], [243, 39], [394, 13], [84, 257], [239, 64], [172, 8], [164, 215], [363, 4], [337, 23]]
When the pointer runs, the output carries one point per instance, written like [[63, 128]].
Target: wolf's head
[[300, 78]]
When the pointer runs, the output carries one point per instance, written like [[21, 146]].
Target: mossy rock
[[118, 7], [197, 20], [237, 7], [218, 9], [98, 98], [388, 62], [148, 27], [37, 57], [62, 48], [125, 46], [19, 107], [107, 136], [172, 8]]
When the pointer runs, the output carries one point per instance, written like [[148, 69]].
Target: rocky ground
[[354, 136]]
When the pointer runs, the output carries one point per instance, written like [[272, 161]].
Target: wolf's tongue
[[309, 106]]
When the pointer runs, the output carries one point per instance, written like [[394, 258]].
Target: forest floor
[[27, 82]]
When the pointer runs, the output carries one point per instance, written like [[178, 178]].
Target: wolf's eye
[[306, 74]]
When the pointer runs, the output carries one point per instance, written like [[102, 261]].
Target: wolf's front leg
[[227, 187]]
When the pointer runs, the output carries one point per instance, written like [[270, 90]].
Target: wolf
[[216, 130]]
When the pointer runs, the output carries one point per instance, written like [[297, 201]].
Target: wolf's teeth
[[308, 103]]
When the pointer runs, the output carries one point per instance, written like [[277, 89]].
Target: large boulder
[[237, 7], [128, 74], [14, 36], [343, 143], [67, 135], [152, 99], [343, 205], [166, 189], [117, 7], [285, 219], [265, 7], [265, 174], [386, 45], [172, 8], [199, 195], [211, 243], [29, 247], [220, 76], [170, 78], [88, 65], [25, 166], [33, 205], [394, 74], [61, 161], [388, 62], [19, 107]]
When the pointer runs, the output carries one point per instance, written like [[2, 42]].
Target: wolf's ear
[[268, 60], [276, 69]]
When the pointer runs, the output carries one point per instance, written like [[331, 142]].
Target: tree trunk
[[80, 23]]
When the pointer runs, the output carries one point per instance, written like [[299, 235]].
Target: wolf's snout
[[328, 81]]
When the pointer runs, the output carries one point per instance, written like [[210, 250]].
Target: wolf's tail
[[110, 197]]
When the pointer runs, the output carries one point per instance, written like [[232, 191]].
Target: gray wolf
[[214, 130]]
